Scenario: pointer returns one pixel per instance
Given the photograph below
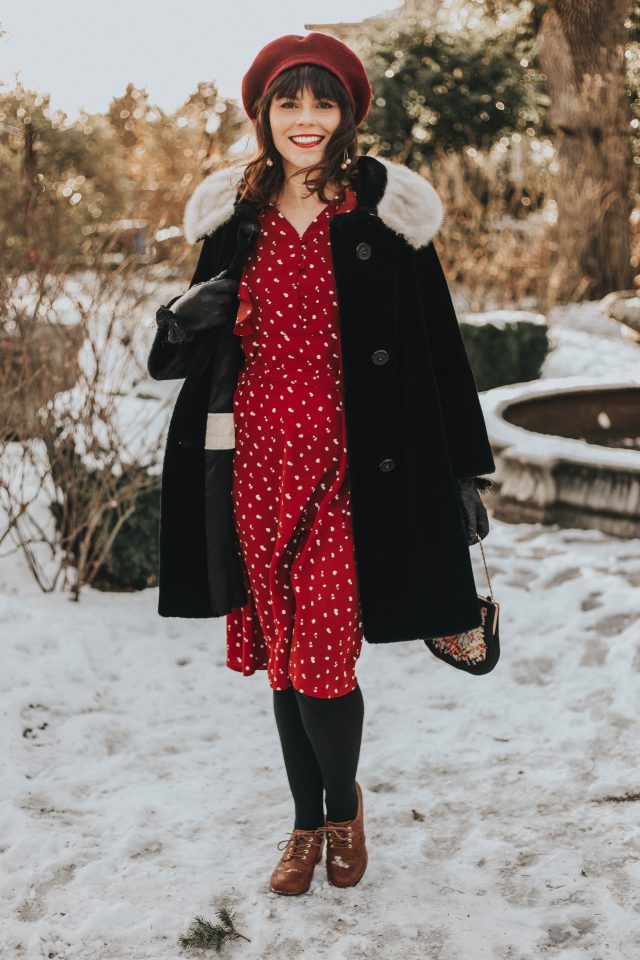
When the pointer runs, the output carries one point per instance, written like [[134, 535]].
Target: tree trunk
[[581, 49]]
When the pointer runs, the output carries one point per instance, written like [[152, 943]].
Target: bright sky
[[83, 53]]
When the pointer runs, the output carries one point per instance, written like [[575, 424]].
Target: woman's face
[[301, 128]]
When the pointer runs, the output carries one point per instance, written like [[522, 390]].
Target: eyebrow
[[297, 97]]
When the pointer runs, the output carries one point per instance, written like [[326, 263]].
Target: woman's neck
[[295, 193]]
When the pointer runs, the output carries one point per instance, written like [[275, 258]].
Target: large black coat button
[[379, 357], [363, 251], [387, 464]]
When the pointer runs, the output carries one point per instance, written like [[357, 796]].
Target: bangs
[[323, 84]]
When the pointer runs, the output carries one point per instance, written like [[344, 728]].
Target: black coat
[[413, 418]]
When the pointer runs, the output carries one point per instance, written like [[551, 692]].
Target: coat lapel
[[403, 200]]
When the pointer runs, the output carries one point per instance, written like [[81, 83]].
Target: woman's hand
[[204, 306], [473, 509]]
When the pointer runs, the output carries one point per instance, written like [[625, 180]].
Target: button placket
[[302, 264]]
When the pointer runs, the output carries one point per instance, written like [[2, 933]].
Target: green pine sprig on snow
[[203, 933]]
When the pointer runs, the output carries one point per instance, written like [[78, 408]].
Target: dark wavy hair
[[261, 182]]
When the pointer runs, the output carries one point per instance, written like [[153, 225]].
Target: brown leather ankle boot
[[346, 849], [294, 871]]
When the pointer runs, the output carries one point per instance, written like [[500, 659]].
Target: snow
[[143, 782], [504, 318]]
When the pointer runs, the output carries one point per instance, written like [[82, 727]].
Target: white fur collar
[[410, 205]]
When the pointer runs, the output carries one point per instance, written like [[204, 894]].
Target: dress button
[[379, 357], [363, 251], [387, 464]]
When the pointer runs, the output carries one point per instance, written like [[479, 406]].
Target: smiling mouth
[[307, 140]]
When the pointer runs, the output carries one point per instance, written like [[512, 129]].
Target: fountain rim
[[550, 448]]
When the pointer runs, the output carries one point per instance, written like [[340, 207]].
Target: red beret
[[319, 48]]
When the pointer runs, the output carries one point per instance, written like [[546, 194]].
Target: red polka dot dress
[[302, 622]]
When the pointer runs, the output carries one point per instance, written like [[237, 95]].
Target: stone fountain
[[567, 451]]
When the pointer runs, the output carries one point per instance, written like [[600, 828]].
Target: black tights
[[320, 740]]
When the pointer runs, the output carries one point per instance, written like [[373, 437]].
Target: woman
[[330, 407]]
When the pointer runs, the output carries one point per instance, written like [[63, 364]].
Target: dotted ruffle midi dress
[[302, 622]]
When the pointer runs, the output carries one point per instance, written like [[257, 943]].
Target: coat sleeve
[[465, 429], [171, 361]]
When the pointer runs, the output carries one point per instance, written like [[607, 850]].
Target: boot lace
[[298, 843], [338, 837]]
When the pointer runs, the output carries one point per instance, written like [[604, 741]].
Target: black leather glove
[[474, 512], [204, 306]]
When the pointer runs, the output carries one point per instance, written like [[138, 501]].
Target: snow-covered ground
[[143, 783]]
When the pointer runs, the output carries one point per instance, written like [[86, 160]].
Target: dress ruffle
[[246, 319], [244, 325]]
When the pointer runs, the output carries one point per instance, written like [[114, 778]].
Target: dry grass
[[497, 242]]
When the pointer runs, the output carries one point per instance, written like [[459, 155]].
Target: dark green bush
[[132, 559], [505, 346], [132, 562]]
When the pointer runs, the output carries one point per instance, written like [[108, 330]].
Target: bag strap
[[485, 566]]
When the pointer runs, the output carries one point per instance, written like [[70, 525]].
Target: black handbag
[[477, 650]]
